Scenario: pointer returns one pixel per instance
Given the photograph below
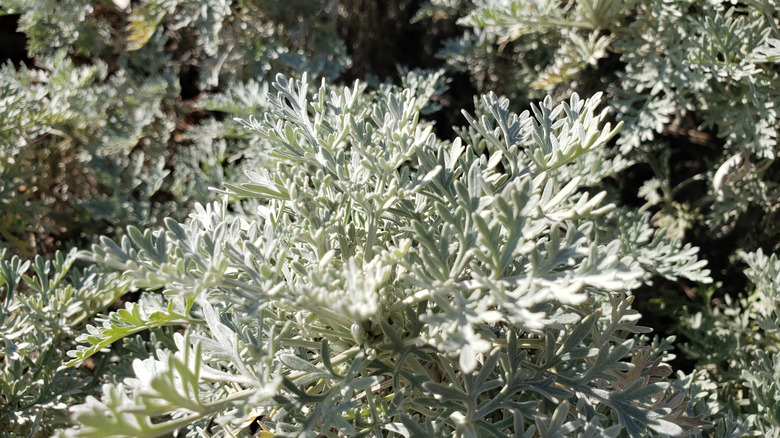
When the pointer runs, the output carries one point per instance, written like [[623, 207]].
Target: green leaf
[[134, 318]]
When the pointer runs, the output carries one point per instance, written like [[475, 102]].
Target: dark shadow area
[[380, 38], [13, 44]]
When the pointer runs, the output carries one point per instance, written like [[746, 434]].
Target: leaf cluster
[[392, 284]]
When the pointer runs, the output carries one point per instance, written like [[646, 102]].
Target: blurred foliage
[[110, 122]]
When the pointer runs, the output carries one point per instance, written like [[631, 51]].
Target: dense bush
[[695, 84], [116, 118], [208, 228]]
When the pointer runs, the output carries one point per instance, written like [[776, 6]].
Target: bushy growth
[[699, 73], [695, 85], [108, 121], [206, 232]]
